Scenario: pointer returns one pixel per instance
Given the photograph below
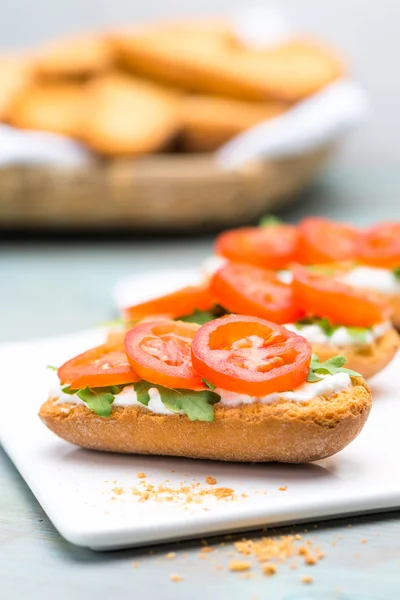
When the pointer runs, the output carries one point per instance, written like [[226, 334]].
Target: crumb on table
[[211, 480], [239, 565]]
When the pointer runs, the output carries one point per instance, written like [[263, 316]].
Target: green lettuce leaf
[[97, 400], [203, 316], [142, 390], [396, 272], [359, 334], [198, 406], [209, 384], [198, 316], [329, 367], [269, 221]]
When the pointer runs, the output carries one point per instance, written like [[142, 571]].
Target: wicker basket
[[158, 193]]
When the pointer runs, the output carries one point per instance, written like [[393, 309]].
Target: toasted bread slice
[[15, 75], [282, 431], [126, 116], [54, 107], [211, 63], [75, 57], [209, 121], [367, 359]]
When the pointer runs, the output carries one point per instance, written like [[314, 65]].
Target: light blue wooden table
[[49, 288]]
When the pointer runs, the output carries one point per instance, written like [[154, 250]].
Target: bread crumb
[[175, 577], [363, 541], [211, 480], [302, 550], [283, 488], [118, 491], [310, 560], [170, 555], [207, 549], [141, 475], [135, 564], [239, 565], [306, 579], [269, 569]]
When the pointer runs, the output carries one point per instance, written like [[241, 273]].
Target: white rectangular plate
[[74, 486]]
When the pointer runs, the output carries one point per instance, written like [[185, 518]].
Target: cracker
[[15, 74], [75, 57], [211, 62], [54, 107], [209, 121], [126, 116]]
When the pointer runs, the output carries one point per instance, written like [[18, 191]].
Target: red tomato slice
[[99, 367], [380, 246], [249, 290], [271, 247], [177, 304], [323, 296], [324, 241], [250, 356], [160, 353]]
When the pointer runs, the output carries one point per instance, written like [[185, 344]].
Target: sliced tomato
[[271, 247], [250, 356], [324, 241], [177, 304], [101, 366], [380, 246], [249, 290], [160, 352], [323, 296]]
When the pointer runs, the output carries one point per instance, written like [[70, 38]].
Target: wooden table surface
[[52, 287]]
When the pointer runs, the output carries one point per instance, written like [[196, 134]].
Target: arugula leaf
[[203, 316], [269, 221], [67, 390], [327, 327], [396, 272], [51, 368], [209, 384], [322, 269], [198, 316], [359, 334], [142, 391], [329, 367], [198, 406], [98, 401]]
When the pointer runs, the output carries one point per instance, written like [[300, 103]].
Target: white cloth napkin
[[18, 146], [316, 121]]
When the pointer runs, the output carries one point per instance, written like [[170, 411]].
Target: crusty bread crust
[[281, 431], [394, 301], [368, 359]]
